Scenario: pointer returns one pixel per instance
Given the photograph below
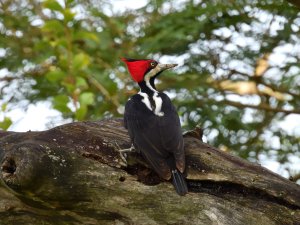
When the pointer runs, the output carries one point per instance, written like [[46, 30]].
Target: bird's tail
[[179, 182]]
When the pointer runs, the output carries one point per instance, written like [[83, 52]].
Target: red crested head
[[139, 67]]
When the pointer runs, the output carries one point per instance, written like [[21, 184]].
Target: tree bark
[[73, 174]]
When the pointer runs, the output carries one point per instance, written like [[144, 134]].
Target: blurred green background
[[238, 79]]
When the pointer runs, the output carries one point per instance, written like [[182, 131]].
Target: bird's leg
[[131, 149], [123, 152]]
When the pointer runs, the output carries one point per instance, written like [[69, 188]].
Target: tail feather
[[179, 182]]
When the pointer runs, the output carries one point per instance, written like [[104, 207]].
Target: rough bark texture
[[73, 174]]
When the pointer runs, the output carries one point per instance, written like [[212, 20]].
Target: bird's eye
[[153, 64]]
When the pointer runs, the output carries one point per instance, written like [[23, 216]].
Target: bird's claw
[[123, 152]]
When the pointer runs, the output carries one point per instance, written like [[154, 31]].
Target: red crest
[[137, 67]]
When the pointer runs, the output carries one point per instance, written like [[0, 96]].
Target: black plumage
[[158, 138]]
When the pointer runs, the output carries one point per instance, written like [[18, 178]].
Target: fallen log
[[74, 174]]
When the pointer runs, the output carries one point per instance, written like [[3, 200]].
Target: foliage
[[240, 75], [6, 121]]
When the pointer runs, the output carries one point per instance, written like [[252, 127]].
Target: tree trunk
[[73, 174]]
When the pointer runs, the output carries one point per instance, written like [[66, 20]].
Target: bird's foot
[[123, 152]]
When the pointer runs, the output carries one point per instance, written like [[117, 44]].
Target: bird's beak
[[160, 68], [165, 66]]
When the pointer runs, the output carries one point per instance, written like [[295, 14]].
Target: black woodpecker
[[153, 123]]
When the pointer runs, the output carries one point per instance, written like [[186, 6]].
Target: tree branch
[[103, 90], [260, 107]]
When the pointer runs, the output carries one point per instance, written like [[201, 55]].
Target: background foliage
[[238, 79]]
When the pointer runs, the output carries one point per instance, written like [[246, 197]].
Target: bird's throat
[[147, 86]]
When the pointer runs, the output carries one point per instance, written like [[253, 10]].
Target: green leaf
[[3, 107], [55, 75], [60, 103], [81, 61], [70, 1], [87, 98], [88, 36], [5, 123], [53, 5], [81, 83], [68, 15], [69, 83], [81, 112], [53, 26]]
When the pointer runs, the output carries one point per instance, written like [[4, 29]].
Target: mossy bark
[[73, 174]]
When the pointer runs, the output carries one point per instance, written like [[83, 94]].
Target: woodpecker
[[153, 123]]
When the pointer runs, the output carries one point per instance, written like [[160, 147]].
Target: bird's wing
[[137, 117], [171, 133], [143, 130], [157, 138]]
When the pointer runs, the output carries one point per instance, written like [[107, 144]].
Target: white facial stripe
[[158, 101], [147, 80], [154, 71]]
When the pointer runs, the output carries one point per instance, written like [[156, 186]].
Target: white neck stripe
[[147, 80], [158, 103]]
